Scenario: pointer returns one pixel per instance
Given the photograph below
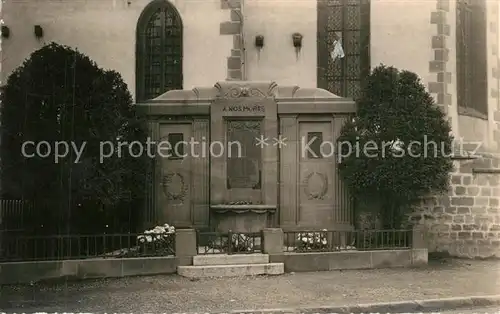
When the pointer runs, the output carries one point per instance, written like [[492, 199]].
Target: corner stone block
[[185, 243], [230, 28], [496, 116], [273, 240]]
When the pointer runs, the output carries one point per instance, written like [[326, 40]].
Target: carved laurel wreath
[[319, 195], [167, 180]]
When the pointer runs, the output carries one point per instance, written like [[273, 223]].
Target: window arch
[[158, 51]]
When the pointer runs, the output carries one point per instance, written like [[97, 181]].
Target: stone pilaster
[[440, 46]]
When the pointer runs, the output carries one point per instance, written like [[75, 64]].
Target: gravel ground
[[161, 294]]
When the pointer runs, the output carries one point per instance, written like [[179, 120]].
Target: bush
[[395, 111], [59, 94]]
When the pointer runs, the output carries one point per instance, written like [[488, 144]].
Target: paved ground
[[445, 278]]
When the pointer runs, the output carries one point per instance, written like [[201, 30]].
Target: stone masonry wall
[[466, 222], [234, 28]]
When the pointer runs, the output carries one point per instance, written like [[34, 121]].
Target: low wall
[[324, 261], [26, 272], [466, 221]]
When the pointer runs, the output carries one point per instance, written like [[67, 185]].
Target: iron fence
[[17, 247], [228, 243], [15, 214], [334, 241]]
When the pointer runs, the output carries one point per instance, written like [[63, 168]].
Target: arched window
[[159, 50]]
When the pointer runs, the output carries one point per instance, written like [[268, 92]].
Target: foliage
[[389, 169], [60, 95]]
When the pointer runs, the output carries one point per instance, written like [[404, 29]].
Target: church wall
[[466, 221], [278, 60], [396, 22], [479, 130], [105, 31], [418, 36]]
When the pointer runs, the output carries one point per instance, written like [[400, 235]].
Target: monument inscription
[[243, 108], [244, 167]]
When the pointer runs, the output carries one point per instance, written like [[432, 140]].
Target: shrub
[[394, 113], [59, 94]]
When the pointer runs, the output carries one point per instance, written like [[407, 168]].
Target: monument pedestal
[[242, 218], [262, 128]]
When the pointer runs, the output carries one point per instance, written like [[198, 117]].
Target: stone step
[[233, 259], [231, 270]]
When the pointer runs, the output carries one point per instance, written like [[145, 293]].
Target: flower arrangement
[[312, 240], [157, 234], [158, 241], [236, 242], [241, 243]]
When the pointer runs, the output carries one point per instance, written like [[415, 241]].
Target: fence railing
[[334, 241], [228, 243], [14, 214], [17, 247]]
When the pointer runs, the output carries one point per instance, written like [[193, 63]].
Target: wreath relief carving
[[174, 186], [237, 91], [315, 186]]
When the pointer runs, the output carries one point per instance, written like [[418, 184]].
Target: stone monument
[[274, 165]]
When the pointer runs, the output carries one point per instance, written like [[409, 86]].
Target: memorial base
[[242, 218]]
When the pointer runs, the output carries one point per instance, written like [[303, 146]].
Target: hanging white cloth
[[338, 51]]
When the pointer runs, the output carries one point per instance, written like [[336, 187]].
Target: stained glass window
[[349, 21], [159, 51], [472, 95]]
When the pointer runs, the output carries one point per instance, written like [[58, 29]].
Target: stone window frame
[[142, 25], [471, 62]]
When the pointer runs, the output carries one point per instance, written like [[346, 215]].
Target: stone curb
[[425, 306]]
